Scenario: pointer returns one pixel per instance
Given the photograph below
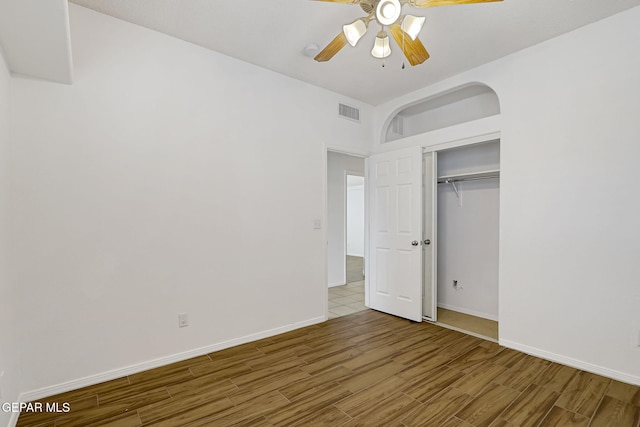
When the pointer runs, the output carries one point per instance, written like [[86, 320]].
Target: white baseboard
[[140, 367], [331, 285], [356, 255], [469, 312], [575, 363]]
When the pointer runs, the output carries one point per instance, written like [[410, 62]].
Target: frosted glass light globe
[[388, 11]]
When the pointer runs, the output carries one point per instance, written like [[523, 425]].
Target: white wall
[[337, 166], [355, 220], [569, 234], [468, 232], [468, 248], [166, 179], [472, 108], [571, 237], [9, 351], [464, 104], [35, 37]]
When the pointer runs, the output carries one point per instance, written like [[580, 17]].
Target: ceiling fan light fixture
[[412, 25], [381, 47], [388, 11], [355, 31]]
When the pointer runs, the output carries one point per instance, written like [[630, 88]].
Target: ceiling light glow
[[354, 31], [412, 25], [388, 11], [381, 47]]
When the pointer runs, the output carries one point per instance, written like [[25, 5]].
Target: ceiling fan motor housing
[[388, 11]]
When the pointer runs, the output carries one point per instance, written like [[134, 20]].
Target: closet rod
[[470, 178]]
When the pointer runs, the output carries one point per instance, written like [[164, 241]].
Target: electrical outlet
[[317, 224], [456, 286], [183, 320]]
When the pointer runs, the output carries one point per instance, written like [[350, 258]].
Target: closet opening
[[466, 195]]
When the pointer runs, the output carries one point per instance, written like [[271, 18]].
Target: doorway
[[345, 233], [467, 203], [354, 228]]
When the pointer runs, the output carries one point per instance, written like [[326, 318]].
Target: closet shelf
[[469, 176]]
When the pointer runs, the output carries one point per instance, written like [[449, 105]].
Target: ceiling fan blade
[[332, 48], [414, 50], [433, 3]]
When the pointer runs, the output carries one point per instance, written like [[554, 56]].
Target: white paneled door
[[395, 251]]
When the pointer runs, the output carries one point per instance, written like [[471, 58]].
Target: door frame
[[325, 219], [436, 148], [430, 234]]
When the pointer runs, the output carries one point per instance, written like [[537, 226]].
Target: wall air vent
[[350, 113]]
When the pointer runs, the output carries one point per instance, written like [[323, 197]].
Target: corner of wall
[[9, 350]]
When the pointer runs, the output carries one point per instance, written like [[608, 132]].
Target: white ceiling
[[273, 34]]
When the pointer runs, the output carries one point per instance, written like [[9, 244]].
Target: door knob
[[427, 242], [415, 243]]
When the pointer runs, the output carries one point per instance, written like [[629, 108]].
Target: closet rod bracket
[[455, 187]]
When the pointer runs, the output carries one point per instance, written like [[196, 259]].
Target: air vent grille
[[350, 113]]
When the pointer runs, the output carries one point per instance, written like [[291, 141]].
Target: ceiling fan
[[387, 13]]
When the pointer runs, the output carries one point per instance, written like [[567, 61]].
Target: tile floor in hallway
[[355, 268], [346, 299], [349, 298]]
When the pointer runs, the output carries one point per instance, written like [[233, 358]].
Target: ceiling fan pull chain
[[403, 49], [385, 40]]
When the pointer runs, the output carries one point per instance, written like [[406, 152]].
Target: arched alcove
[[463, 104]]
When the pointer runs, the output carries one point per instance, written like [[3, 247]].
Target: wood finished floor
[[466, 322], [364, 369]]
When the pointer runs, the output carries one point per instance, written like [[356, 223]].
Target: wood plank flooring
[[466, 322], [364, 369]]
